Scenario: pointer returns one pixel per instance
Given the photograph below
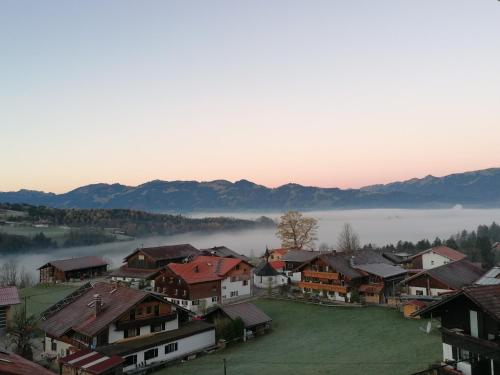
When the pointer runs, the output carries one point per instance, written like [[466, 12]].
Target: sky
[[326, 93]]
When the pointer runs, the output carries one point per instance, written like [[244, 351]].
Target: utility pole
[[224, 360]]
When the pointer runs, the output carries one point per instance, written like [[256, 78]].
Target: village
[[167, 305]]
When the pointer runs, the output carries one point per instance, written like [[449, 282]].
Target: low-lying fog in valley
[[376, 226]]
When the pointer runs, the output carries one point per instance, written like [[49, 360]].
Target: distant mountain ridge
[[470, 189]]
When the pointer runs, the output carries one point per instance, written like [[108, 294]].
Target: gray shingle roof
[[168, 252], [223, 251], [77, 263], [492, 277], [382, 269], [248, 312], [341, 263], [265, 269], [300, 256]]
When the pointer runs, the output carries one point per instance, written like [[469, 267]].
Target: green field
[[309, 339], [41, 297]]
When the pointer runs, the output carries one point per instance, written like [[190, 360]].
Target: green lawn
[[309, 339], [41, 297]]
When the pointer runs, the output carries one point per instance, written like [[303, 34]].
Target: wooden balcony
[[327, 287], [321, 275], [126, 324], [487, 348]]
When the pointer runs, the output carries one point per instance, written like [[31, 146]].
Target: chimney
[[97, 304]]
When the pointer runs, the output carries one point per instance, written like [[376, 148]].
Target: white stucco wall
[[447, 352], [186, 346], [465, 367], [433, 260], [188, 304], [60, 349], [115, 335], [434, 291], [236, 286], [264, 281]]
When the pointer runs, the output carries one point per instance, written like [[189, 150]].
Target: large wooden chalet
[[205, 282], [73, 269], [145, 264], [113, 319], [470, 330]]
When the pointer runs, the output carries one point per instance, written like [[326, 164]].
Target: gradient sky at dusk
[[328, 93]]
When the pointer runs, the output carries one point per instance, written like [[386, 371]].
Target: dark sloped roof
[[9, 296], [454, 274], [223, 251], [13, 364], [144, 342], [265, 269], [77, 263], [139, 273], [248, 312], [168, 252], [444, 251], [341, 263], [300, 256], [78, 315], [381, 269], [369, 257]]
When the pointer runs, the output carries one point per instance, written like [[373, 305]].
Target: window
[[237, 266], [234, 294], [148, 310], [419, 292], [156, 327], [132, 332], [139, 311], [196, 302], [179, 281], [164, 290], [171, 280], [184, 292], [176, 292], [245, 282], [130, 360], [157, 310], [172, 347], [184, 303], [140, 257], [53, 345], [215, 299], [163, 278], [151, 353]]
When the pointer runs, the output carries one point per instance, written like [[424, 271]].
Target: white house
[[266, 276], [436, 257]]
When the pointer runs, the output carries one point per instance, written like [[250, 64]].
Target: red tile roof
[[91, 361], [13, 364], [444, 251], [79, 314], [77, 263], [277, 264], [204, 268], [9, 296]]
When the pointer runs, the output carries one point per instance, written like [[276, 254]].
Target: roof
[[369, 256], [78, 314], [91, 361], [396, 258], [382, 269], [13, 364], [418, 303], [248, 312], [170, 252], [139, 273], [134, 344], [444, 251], [277, 264], [265, 269], [455, 274], [223, 251], [279, 251], [487, 297], [300, 256], [76, 263], [341, 263], [492, 277], [204, 268], [9, 296]]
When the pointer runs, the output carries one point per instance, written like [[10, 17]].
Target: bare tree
[[21, 331], [8, 273], [25, 279], [297, 231], [348, 240]]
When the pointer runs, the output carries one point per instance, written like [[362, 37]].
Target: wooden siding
[[327, 287]]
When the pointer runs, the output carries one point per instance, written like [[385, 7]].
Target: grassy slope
[[311, 339], [41, 297]]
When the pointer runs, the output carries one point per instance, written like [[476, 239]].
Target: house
[[266, 276], [114, 319], [330, 276], [401, 259], [295, 258], [73, 269], [435, 257], [205, 282], [443, 279], [256, 321], [383, 281], [144, 264], [13, 364], [224, 252], [90, 362], [470, 330], [492, 277], [9, 297]]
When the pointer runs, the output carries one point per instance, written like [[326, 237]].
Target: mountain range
[[469, 189]]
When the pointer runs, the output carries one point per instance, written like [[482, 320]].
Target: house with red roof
[[205, 282], [8, 298], [435, 257], [277, 254], [90, 362]]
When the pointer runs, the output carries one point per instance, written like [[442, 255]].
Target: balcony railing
[[321, 275], [486, 348], [327, 287]]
